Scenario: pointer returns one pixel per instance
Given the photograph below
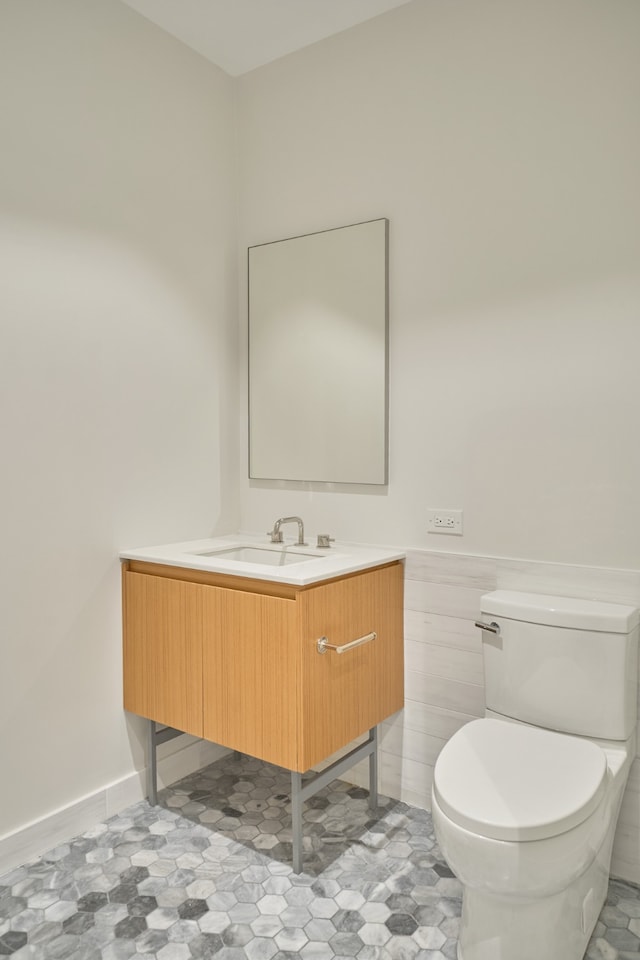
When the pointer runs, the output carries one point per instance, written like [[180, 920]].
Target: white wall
[[502, 141], [118, 372]]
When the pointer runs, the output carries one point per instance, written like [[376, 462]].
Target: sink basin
[[274, 557]]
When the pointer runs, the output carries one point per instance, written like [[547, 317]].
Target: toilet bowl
[[525, 815], [534, 861]]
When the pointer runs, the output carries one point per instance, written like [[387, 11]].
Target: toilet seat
[[508, 781]]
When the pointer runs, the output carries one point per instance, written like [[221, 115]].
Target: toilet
[[525, 801]]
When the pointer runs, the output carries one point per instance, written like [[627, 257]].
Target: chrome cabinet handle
[[322, 645], [492, 627]]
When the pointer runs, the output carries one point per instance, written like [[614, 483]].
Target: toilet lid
[[508, 781]]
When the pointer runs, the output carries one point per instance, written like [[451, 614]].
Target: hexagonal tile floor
[[208, 874]]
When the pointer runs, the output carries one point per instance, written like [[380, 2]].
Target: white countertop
[[315, 563]]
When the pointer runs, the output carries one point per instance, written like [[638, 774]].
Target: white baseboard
[[59, 826]]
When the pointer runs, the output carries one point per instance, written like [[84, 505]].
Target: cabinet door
[[251, 674], [345, 694], [163, 650]]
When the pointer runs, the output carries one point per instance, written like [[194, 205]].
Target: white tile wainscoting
[[443, 669]]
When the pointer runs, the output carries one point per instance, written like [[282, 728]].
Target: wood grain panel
[[162, 654], [251, 674], [343, 695], [226, 580]]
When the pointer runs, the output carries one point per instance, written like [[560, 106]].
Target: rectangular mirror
[[318, 332]]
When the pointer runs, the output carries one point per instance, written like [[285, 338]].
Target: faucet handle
[[276, 536], [325, 541]]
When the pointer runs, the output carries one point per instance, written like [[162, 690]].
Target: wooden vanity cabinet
[[236, 661]]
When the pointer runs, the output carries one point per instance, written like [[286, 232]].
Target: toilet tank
[[561, 663]]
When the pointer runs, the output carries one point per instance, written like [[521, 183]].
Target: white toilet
[[525, 801]]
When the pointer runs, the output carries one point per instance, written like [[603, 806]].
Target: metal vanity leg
[[154, 737], [152, 770], [300, 793], [296, 820], [373, 768]]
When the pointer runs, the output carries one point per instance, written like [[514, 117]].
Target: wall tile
[[451, 569], [625, 862], [448, 694], [559, 579], [400, 740], [434, 628], [427, 718], [443, 599], [443, 661]]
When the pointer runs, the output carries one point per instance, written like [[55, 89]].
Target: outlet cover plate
[[445, 521]]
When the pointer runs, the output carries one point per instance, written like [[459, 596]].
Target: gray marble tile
[[192, 879]]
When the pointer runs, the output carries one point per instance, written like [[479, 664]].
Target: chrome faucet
[[276, 533]]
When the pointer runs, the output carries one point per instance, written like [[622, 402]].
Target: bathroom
[[501, 142]]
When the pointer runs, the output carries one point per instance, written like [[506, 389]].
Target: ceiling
[[239, 35]]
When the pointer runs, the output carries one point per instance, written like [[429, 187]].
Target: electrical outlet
[[445, 521]]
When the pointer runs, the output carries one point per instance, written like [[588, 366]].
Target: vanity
[[283, 652]]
